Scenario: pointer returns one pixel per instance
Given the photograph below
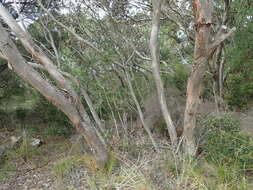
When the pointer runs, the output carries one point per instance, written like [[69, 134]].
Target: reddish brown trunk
[[204, 49], [203, 21]]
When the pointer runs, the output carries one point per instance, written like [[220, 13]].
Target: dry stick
[[154, 48], [140, 112]]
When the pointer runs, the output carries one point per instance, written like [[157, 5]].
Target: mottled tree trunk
[[203, 21], [62, 96], [204, 49]]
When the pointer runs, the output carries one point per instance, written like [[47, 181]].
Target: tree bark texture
[[154, 48], [203, 52], [64, 96], [203, 19]]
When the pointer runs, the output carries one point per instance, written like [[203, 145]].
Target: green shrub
[[239, 84], [23, 150], [4, 118], [21, 114], [240, 91], [49, 112], [111, 164], [58, 123], [63, 167], [179, 78], [6, 170], [225, 146], [55, 129]]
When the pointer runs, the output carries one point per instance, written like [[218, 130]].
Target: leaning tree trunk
[[204, 49], [154, 48], [64, 97]]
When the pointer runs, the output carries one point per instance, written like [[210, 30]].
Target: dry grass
[[134, 165]]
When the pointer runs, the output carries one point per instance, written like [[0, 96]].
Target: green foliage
[[113, 99], [29, 128], [161, 127], [178, 78], [111, 164], [225, 146], [21, 114], [240, 91], [6, 170], [56, 129], [57, 120], [4, 117], [210, 176], [63, 167], [181, 76], [24, 150], [12, 87], [240, 81]]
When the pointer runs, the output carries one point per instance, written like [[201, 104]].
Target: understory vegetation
[[224, 160], [100, 49]]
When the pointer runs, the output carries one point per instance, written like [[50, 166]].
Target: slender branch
[[79, 38], [52, 42], [140, 112], [220, 37]]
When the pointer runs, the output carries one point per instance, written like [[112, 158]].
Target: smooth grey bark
[[154, 48], [64, 96]]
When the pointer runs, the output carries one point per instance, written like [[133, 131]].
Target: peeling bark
[[204, 49]]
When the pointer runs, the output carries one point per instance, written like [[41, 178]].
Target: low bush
[[224, 145]]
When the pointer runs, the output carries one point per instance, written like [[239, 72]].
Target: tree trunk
[[154, 48], [204, 50], [65, 98], [203, 20]]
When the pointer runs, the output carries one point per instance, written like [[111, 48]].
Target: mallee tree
[[61, 95]]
